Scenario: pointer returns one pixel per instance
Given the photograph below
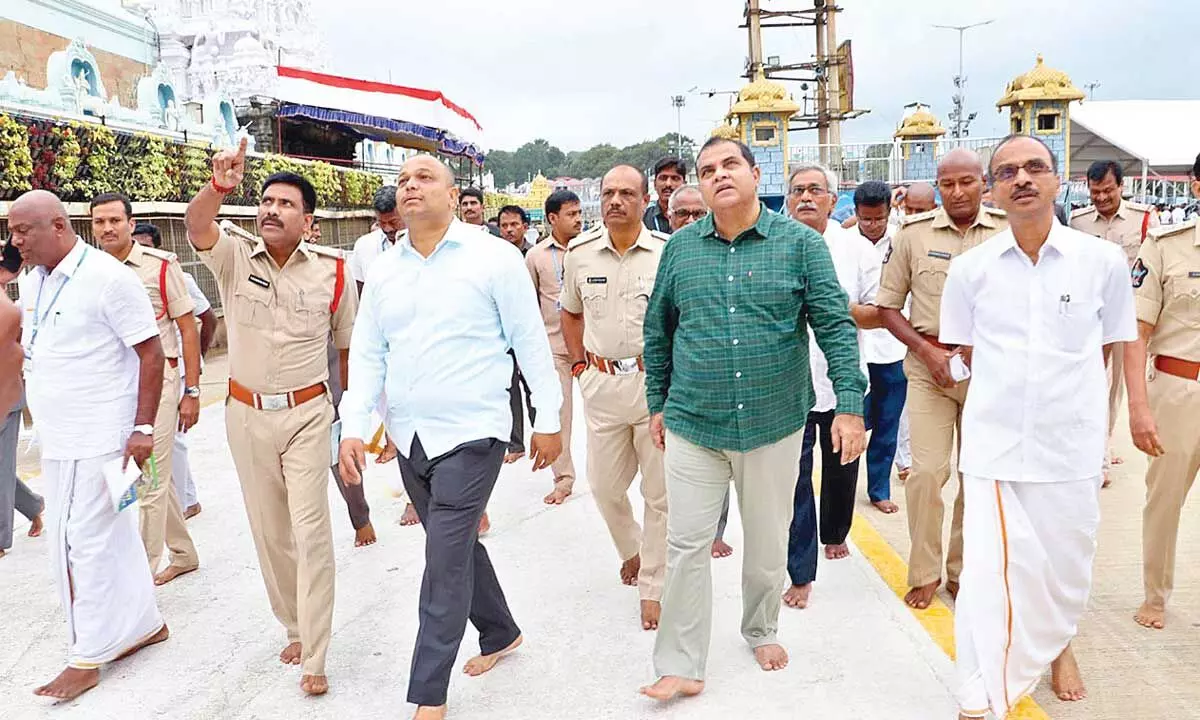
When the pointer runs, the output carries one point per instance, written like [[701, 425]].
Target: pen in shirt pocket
[[1064, 304]]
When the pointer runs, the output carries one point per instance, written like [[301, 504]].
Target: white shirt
[[1038, 406], [366, 250], [857, 264], [1177, 215], [879, 345], [82, 382], [432, 335]]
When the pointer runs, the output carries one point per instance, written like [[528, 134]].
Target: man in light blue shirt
[[438, 314]]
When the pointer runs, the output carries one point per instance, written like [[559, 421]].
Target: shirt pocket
[[308, 315], [252, 306], [1181, 299], [595, 299], [931, 276], [1074, 322]]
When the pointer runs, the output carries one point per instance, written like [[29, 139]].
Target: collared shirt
[[366, 249], [148, 264], [82, 383], [1038, 406], [611, 290], [857, 265], [879, 345], [280, 317], [545, 264], [727, 333], [656, 219], [1126, 228], [433, 336], [921, 253], [1166, 282]]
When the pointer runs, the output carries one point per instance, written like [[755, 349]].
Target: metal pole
[[754, 23], [834, 85], [822, 85], [962, 88]]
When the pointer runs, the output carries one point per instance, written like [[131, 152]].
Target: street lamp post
[[960, 80], [678, 102]]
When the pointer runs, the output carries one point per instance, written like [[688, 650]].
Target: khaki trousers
[[564, 466], [161, 518], [698, 480], [1175, 403], [1116, 390], [282, 460], [935, 415], [619, 444]]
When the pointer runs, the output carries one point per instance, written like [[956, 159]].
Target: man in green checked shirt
[[729, 390]]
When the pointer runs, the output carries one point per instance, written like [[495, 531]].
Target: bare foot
[[952, 588], [290, 655], [1149, 616], [721, 549], [192, 511], [651, 610], [388, 453], [560, 493], [410, 516], [484, 525], [902, 474], [920, 597], [70, 684], [365, 535], [1065, 679], [2, 552], [797, 596], [512, 457], [162, 634], [1117, 460], [35, 526], [314, 684], [426, 712], [837, 552], [171, 572], [630, 569], [771, 657], [671, 686], [887, 507], [1107, 480], [480, 664]]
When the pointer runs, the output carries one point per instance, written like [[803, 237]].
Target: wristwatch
[[578, 367], [192, 392], [144, 429]]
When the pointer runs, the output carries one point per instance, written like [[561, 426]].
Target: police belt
[[627, 366], [932, 340], [283, 401], [1185, 369]]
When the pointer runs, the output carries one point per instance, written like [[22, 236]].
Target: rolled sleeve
[[834, 330], [895, 280], [1148, 297], [219, 258], [179, 300]]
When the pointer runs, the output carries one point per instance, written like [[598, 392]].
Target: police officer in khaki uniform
[[608, 277], [1125, 224], [920, 256], [160, 513], [1164, 413], [282, 297]]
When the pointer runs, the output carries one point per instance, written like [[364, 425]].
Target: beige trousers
[[161, 518], [282, 459], [619, 445], [934, 415], [698, 480], [1116, 390], [564, 466], [1175, 403]]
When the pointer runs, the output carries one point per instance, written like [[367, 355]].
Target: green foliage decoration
[[16, 165]]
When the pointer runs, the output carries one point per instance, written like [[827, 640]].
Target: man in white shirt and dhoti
[[94, 373], [1035, 309]]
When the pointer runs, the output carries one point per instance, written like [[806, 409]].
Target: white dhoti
[[99, 564], [181, 473], [1027, 570]]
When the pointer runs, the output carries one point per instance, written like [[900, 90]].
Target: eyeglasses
[[814, 190], [1008, 173], [692, 214]]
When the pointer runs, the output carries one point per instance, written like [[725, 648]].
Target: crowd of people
[[715, 343]]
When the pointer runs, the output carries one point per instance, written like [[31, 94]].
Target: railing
[[894, 161]]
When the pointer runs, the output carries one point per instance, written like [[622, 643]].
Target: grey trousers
[[14, 494], [698, 481]]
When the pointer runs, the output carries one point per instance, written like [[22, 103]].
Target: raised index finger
[[241, 151]]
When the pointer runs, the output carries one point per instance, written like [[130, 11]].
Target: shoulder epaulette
[[919, 217], [1164, 231], [994, 211], [586, 237], [238, 231], [661, 235], [1080, 212], [1138, 206], [160, 254], [327, 251]]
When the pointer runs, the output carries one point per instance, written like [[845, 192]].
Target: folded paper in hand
[[129, 484]]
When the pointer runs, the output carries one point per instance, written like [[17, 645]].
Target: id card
[[335, 441]]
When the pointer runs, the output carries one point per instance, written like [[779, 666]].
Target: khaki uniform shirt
[[1124, 228], [920, 257], [279, 319], [147, 263], [611, 291], [1166, 287], [545, 262]]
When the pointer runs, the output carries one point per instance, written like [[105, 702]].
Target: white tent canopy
[[1152, 137]]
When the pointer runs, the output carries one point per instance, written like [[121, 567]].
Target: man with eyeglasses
[[920, 257], [1036, 308], [686, 207]]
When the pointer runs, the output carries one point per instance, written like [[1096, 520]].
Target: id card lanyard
[[40, 319], [558, 272]]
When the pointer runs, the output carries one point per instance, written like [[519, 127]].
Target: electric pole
[[678, 101], [1091, 88], [961, 121]]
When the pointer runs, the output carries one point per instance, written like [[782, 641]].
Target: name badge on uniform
[[261, 282], [1194, 274], [597, 280], [940, 255]]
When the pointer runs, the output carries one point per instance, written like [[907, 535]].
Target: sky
[[581, 73]]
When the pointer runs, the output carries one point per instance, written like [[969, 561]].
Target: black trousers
[[516, 442], [838, 485], [450, 493], [354, 495]]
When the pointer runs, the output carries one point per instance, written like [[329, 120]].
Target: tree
[[538, 155]]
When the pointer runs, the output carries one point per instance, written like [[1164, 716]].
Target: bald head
[[40, 204], [960, 160], [623, 198], [919, 198], [960, 180], [425, 193], [41, 230]]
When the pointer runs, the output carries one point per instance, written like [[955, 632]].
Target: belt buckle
[[273, 402], [627, 366]]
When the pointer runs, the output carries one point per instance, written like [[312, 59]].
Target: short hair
[[681, 191], [471, 192], [514, 210], [642, 175], [112, 197], [670, 162], [872, 193], [557, 199], [384, 201], [1012, 138], [831, 178], [741, 146], [1196, 169], [307, 193], [1097, 171], [151, 230]]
